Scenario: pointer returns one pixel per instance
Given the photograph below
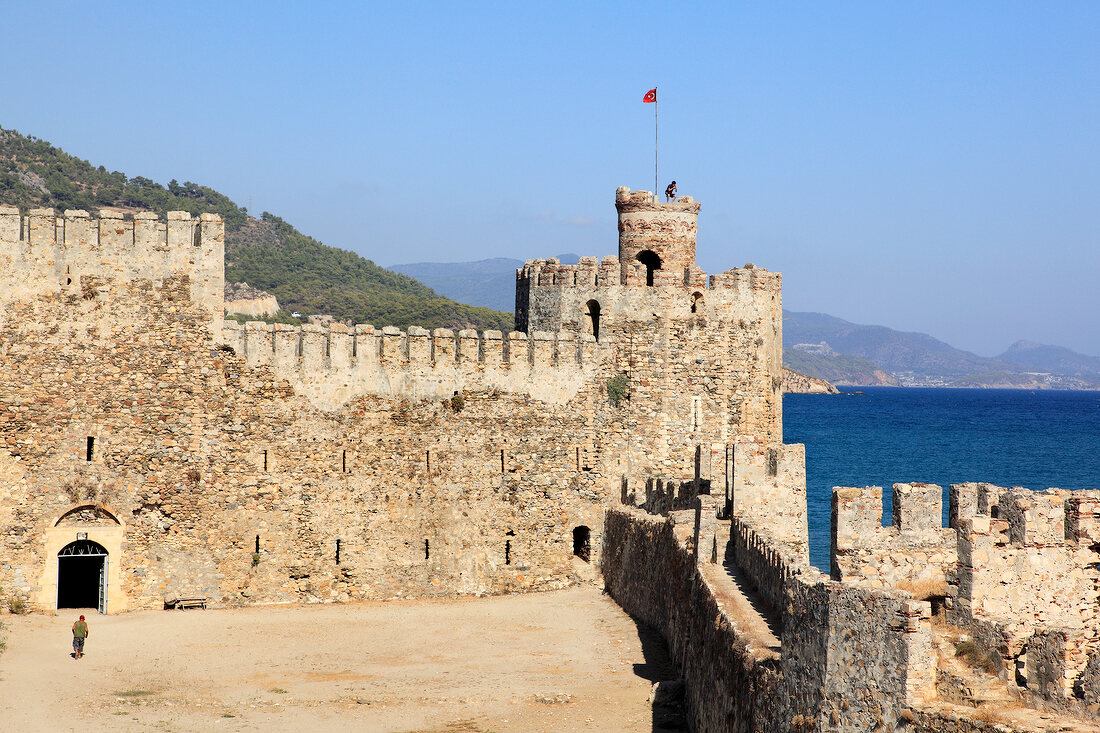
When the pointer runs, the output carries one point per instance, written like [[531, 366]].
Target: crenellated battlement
[[42, 252], [857, 511], [1027, 564], [1035, 518], [591, 272], [922, 552], [332, 364]]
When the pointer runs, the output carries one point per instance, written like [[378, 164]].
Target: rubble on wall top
[[107, 213]]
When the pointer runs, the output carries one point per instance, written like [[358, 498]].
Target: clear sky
[[926, 166]]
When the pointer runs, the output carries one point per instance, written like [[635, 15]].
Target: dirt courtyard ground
[[567, 660]]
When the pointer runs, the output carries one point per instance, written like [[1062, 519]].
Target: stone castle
[[153, 453]]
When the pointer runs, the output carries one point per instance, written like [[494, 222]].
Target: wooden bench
[[195, 602]]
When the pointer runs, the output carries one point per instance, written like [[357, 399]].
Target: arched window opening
[[652, 263], [582, 544], [592, 312], [696, 302]]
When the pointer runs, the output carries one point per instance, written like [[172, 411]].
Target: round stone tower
[[659, 236]]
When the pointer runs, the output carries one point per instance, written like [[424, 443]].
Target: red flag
[[650, 96]]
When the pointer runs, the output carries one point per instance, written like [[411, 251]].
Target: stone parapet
[[333, 364], [769, 485], [914, 553], [1033, 570], [42, 253]]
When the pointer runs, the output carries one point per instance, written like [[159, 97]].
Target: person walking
[[80, 633]]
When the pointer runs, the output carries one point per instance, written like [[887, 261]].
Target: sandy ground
[[562, 661]]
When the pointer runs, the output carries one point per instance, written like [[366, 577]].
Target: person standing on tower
[[670, 192]]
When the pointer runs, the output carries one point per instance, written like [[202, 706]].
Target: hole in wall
[[427, 553], [90, 451], [582, 543], [507, 552], [337, 550]]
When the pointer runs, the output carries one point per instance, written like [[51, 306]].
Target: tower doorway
[[82, 576]]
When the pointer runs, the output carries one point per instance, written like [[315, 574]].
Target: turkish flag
[[650, 96]]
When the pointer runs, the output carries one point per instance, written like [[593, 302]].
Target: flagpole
[[656, 191]]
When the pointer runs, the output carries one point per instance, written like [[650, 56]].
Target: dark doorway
[[594, 317], [82, 576], [652, 263], [582, 544]]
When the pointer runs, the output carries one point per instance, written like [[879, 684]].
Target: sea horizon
[[1037, 439]]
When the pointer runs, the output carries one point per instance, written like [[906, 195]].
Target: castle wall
[[331, 365], [914, 553], [769, 485], [44, 254], [1055, 579], [206, 455], [850, 659]]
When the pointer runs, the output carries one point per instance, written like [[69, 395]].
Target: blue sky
[[926, 166]]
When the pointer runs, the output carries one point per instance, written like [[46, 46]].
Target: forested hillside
[[268, 253]]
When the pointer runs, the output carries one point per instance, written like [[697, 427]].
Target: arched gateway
[[82, 575]]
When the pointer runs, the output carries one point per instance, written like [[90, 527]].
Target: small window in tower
[[697, 303], [592, 312], [652, 263], [90, 449], [427, 554]]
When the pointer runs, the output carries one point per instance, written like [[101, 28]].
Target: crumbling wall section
[[1029, 585]]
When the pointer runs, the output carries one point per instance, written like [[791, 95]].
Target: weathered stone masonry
[[229, 461], [263, 464]]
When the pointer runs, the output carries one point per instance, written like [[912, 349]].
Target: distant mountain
[[268, 253], [899, 352], [815, 341], [1044, 358], [490, 283]]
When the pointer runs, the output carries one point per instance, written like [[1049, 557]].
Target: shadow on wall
[[667, 696]]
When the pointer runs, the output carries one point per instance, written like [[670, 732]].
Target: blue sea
[[889, 435]]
